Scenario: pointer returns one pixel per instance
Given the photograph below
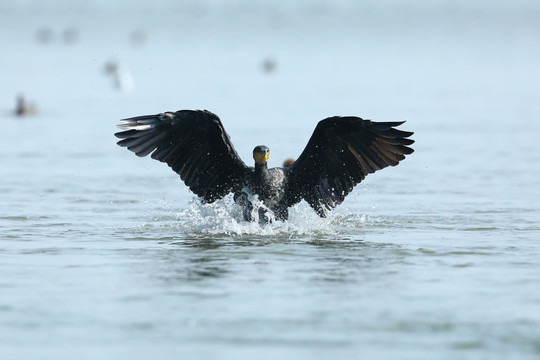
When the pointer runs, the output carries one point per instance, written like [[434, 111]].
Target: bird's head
[[261, 154]]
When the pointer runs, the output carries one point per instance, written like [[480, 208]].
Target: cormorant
[[339, 155]]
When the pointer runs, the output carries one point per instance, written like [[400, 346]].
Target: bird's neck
[[261, 179], [261, 170]]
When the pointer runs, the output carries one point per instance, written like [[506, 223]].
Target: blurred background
[[267, 60], [102, 251], [458, 71]]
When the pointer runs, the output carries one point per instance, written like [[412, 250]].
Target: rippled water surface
[[106, 255]]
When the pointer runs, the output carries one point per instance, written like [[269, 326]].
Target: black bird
[[339, 155]]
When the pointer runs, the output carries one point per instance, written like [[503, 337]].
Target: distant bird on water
[[288, 162], [339, 155], [23, 108], [122, 78]]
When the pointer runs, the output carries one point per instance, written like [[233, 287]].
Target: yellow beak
[[262, 157]]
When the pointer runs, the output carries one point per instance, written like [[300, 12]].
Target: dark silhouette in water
[[22, 108]]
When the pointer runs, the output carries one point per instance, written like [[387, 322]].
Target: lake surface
[[106, 255]]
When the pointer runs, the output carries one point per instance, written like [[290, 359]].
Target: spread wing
[[339, 154], [193, 143]]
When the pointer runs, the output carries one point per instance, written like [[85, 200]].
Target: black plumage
[[339, 155]]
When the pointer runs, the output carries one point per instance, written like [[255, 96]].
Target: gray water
[[105, 255]]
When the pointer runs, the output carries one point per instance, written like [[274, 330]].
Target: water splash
[[224, 218]]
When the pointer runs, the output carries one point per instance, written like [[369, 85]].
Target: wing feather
[[193, 143], [341, 152]]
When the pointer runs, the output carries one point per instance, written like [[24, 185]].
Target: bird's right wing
[[339, 154], [193, 143]]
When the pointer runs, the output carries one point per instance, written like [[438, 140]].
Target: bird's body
[[339, 154], [269, 186]]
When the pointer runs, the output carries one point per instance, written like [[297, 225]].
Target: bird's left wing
[[339, 154], [193, 143]]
